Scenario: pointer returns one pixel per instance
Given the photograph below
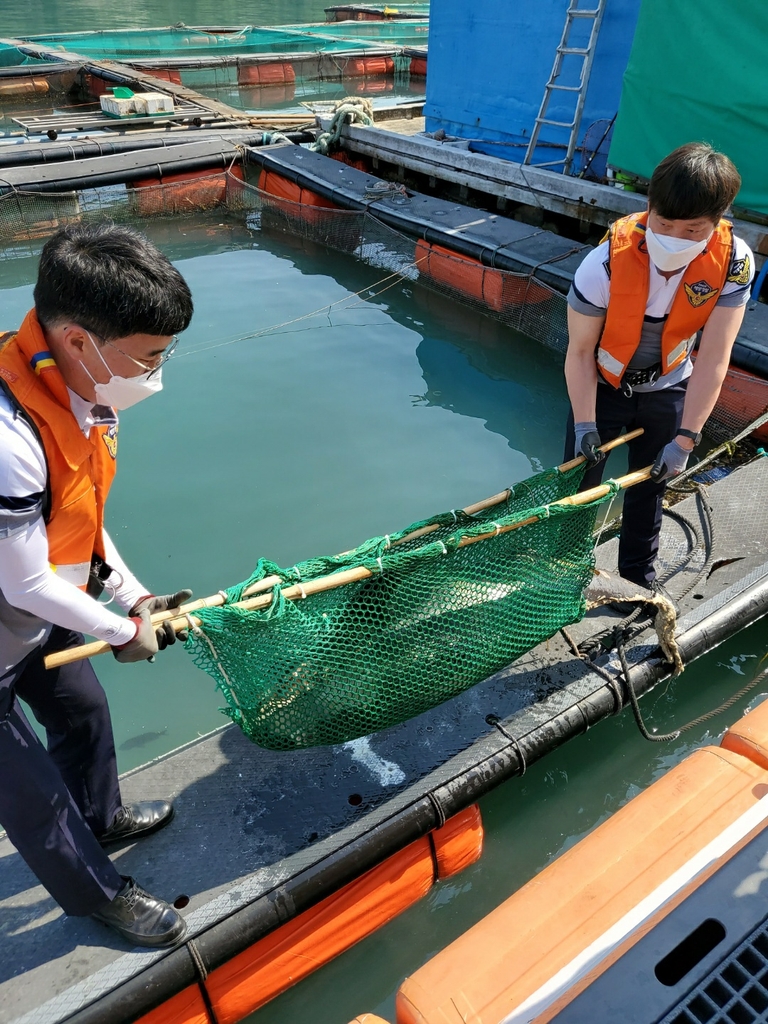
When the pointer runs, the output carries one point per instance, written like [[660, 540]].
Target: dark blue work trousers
[[53, 801], [659, 413]]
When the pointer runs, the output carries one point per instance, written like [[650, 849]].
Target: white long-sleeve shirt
[[33, 598]]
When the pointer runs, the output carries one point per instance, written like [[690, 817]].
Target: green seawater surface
[[306, 440], [361, 407]]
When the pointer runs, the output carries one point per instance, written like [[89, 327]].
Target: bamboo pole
[[497, 499], [334, 580]]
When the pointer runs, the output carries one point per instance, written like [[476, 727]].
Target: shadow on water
[[472, 364]]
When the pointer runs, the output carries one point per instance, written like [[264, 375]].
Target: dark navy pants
[[659, 413], [53, 801]]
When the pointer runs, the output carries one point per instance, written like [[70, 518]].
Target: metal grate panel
[[734, 992]]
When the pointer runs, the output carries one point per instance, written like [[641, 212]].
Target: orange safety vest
[[80, 469], [702, 282]]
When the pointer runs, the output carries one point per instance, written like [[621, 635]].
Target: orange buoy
[[458, 843], [165, 74], [300, 946], [183, 192], [497, 289], [512, 955], [419, 67], [361, 67], [24, 87], [299, 204], [461, 273], [273, 73], [186, 1007]]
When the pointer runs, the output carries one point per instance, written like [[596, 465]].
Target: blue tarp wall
[[489, 62]]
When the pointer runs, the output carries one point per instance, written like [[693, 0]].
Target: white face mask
[[123, 392], [668, 253]]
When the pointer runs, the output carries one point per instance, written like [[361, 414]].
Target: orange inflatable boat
[[659, 915]]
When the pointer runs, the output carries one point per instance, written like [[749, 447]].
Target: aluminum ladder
[[565, 49]]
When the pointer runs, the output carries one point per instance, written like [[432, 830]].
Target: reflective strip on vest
[[609, 362], [76, 574], [682, 348]]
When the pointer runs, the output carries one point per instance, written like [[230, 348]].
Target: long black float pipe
[[41, 70], [227, 938], [747, 354], [547, 272], [26, 154], [123, 175]]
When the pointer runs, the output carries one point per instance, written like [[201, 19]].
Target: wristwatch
[[689, 433]]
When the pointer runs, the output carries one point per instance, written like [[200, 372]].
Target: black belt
[[631, 379]]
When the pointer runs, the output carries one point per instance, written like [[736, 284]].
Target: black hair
[[693, 181], [111, 280]]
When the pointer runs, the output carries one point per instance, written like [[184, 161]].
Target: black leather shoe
[[135, 820], [142, 919]]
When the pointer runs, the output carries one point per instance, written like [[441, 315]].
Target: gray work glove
[[588, 442], [144, 645], [165, 633], [671, 460]]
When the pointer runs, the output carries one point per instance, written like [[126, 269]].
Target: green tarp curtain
[[696, 73]]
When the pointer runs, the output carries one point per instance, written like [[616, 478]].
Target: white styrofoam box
[[117, 105], [153, 103]]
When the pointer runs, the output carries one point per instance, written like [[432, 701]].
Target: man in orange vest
[[635, 308], [108, 305]]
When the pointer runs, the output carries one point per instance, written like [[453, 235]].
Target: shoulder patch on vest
[[8, 375], [700, 292], [109, 437], [740, 272]]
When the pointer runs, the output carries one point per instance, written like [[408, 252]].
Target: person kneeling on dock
[[107, 307], [634, 310]]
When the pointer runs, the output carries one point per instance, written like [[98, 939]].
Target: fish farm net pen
[[520, 301]]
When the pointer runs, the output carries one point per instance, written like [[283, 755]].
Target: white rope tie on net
[[606, 520], [198, 632]]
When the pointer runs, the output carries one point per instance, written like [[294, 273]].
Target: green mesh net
[[284, 40], [437, 613]]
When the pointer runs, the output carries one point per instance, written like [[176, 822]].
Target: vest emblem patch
[[740, 271], [700, 292], [109, 437], [8, 375]]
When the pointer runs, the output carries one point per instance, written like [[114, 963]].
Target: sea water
[[360, 407]]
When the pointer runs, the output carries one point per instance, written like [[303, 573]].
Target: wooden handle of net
[[497, 499], [179, 619]]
